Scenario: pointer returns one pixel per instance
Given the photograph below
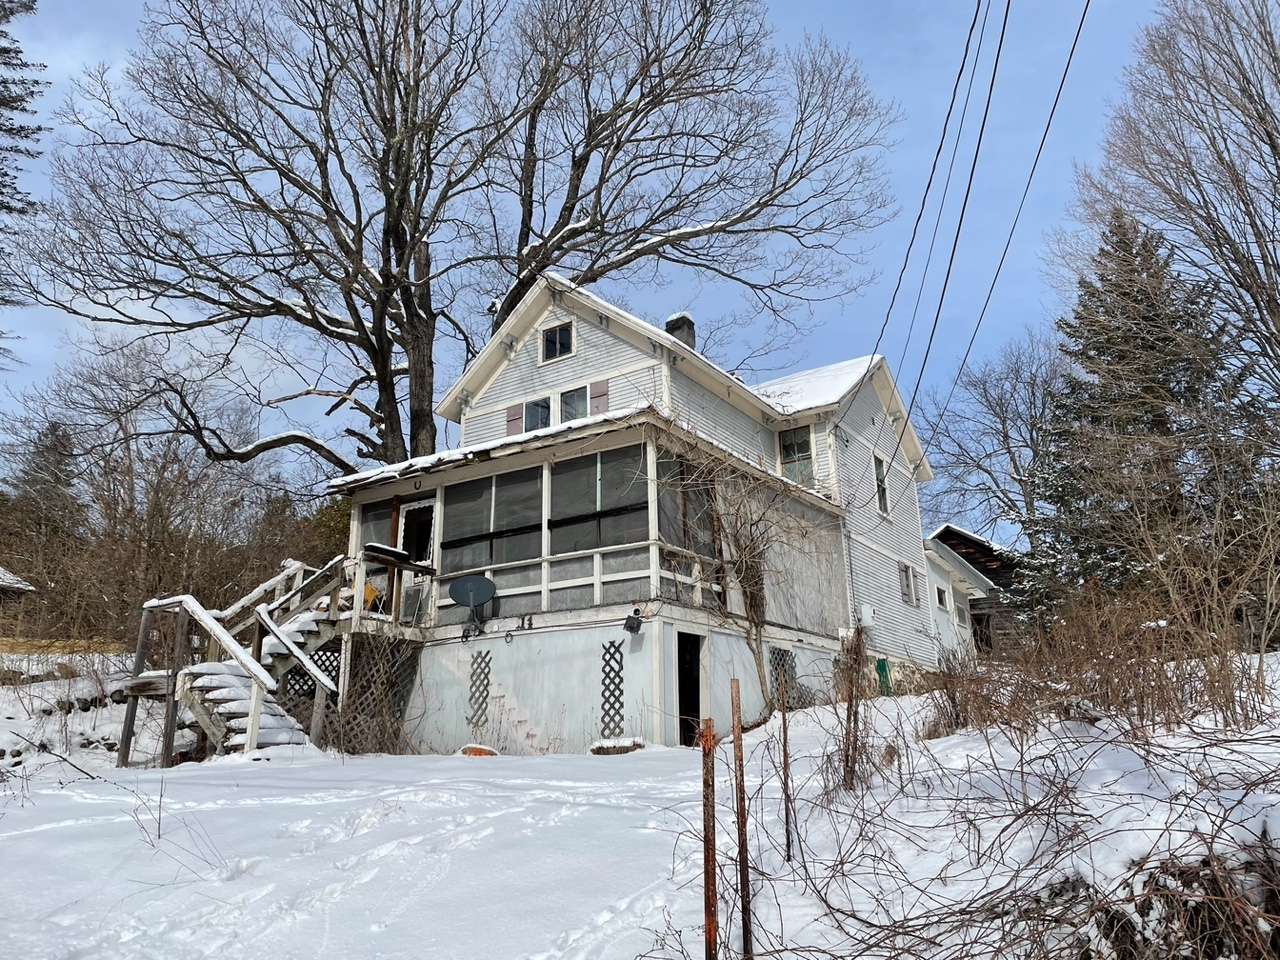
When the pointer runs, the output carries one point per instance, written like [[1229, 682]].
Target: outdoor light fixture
[[633, 623]]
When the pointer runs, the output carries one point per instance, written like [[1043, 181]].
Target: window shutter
[[515, 419], [599, 397], [904, 583]]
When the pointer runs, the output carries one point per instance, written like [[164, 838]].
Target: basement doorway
[[689, 686]]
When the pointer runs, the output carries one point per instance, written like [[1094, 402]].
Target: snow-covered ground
[[295, 853]]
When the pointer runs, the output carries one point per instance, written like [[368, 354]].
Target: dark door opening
[[417, 533], [689, 686]]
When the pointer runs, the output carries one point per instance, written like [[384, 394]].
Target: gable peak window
[[882, 485], [796, 450], [557, 341]]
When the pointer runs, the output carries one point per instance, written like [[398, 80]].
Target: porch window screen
[[492, 520], [684, 506], [600, 500], [375, 524], [796, 447]]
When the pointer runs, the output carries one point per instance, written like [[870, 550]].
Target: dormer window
[[796, 448], [557, 342]]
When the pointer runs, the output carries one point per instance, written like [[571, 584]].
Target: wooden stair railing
[[322, 681]]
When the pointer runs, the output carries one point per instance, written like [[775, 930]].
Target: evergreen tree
[[18, 90], [1150, 401]]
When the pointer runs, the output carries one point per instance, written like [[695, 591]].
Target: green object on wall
[[886, 682]]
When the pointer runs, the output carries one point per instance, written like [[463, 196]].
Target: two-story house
[[652, 526]]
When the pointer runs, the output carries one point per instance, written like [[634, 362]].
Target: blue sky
[[910, 50]]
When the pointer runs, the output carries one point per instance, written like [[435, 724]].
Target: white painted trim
[[547, 323]]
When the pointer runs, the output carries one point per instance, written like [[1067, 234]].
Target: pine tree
[[18, 91], [1152, 388]]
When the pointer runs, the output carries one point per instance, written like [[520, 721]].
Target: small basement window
[[557, 342], [882, 486], [797, 454], [573, 404], [537, 414]]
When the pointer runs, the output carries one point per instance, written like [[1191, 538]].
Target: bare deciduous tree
[[1194, 152], [985, 443], [319, 195]]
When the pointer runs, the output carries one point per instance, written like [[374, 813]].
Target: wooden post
[[786, 773], [255, 717], [744, 867], [131, 707], [317, 714], [711, 924], [178, 655]]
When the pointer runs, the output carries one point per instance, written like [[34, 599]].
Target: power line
[[1044, 136], [955, 240]]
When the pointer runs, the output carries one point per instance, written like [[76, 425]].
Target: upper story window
[[573, 404], [941, 593], [537, 414], [882, 486], [796, 447], [962, 609], [557, 342]]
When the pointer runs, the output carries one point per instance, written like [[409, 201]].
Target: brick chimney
[[680, 326]]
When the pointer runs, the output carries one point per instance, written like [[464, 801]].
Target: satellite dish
[[472, 591]]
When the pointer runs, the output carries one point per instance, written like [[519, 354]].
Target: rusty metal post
[[744, 867], [786, 774], [711, 924]]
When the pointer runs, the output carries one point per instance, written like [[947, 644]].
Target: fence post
[[786, 774], [317, 714], [744, 867], [711, 924]]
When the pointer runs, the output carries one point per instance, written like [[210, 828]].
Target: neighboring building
[[12, 587], [579, 487], [978, 575]]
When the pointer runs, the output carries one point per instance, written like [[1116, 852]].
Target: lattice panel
[[611, 689], [782, 676], [479, 699], [298, 683]]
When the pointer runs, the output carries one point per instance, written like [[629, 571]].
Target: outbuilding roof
[[11, 581]]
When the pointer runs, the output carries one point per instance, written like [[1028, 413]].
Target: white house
[[580, 429]]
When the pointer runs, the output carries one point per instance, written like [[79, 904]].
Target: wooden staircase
[[249, 647], [220, 698]]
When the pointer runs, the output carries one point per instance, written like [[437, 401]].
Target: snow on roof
[[820, 387], [405, 468], [11, 581]]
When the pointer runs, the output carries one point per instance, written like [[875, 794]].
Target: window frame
[[908, 578], [782, 463], [542, 342], [585, 389], [881, 470], [525, 413], [942, 596], [599, 513]]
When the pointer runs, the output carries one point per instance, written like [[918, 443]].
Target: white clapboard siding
[[714, 417], [876, 544]]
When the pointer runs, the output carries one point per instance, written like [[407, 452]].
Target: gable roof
[[820, 387], [11, 581], [998, 564], [777, 399]]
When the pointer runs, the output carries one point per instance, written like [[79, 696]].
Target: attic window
[[557, 342], [796, 447]]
